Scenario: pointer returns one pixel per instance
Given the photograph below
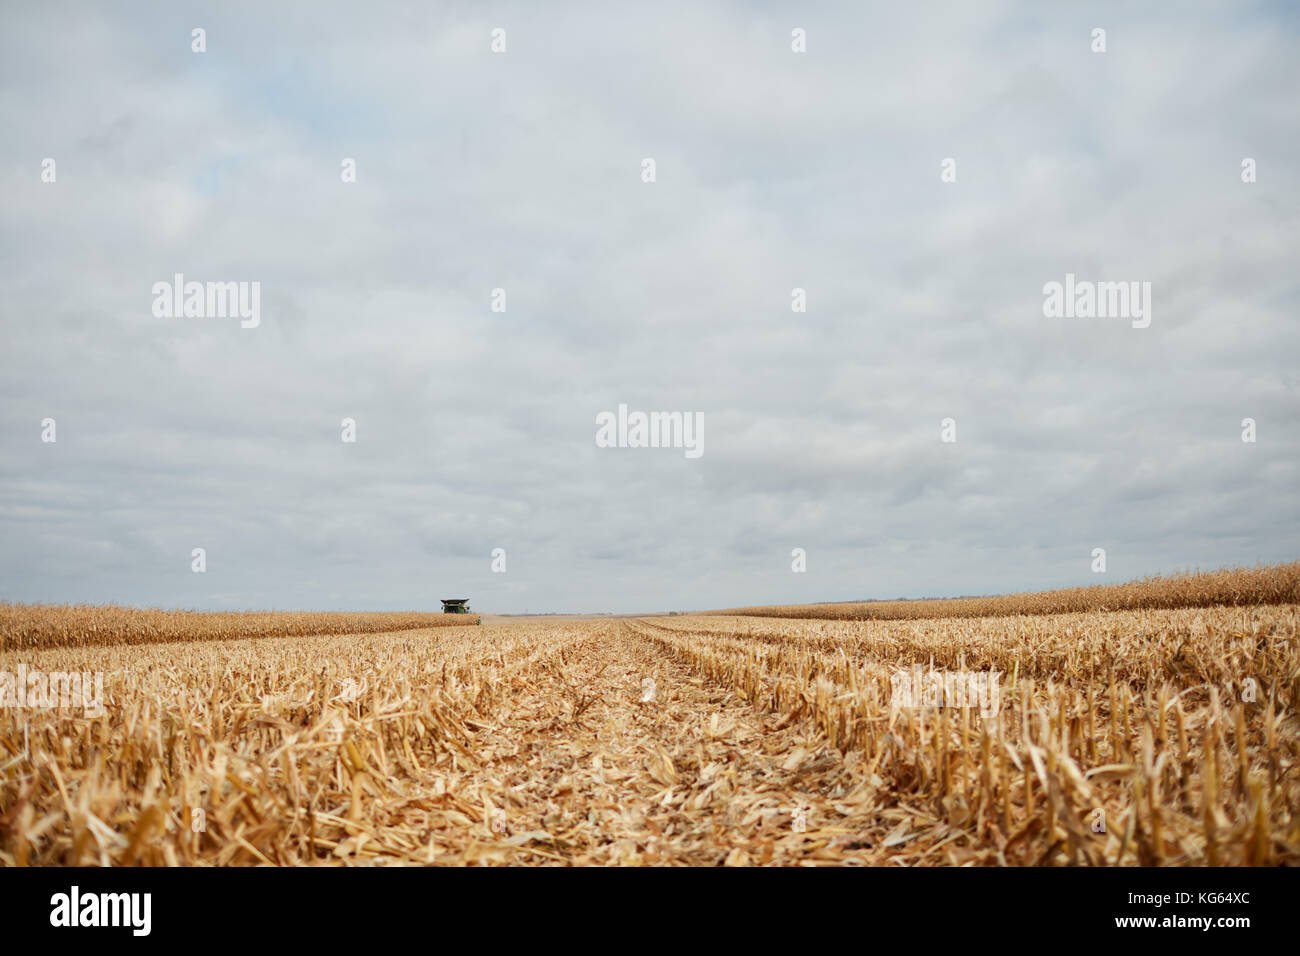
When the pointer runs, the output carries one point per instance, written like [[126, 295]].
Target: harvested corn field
[[1105, 738], [61, 625]]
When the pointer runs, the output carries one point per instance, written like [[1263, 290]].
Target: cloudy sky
[[522, 170]]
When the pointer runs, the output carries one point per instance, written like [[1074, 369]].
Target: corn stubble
[[1138, 714], [529, 742]]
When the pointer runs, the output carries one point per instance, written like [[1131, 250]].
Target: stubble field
[[1135, 737]]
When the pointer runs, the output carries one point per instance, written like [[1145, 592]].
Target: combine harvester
[[457, 606]]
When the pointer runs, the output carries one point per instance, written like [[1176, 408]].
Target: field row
[[281, 750], [1236, 587], [1176, 731], [24, 626]]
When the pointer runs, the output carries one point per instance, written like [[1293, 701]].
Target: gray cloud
[[775, 170]]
